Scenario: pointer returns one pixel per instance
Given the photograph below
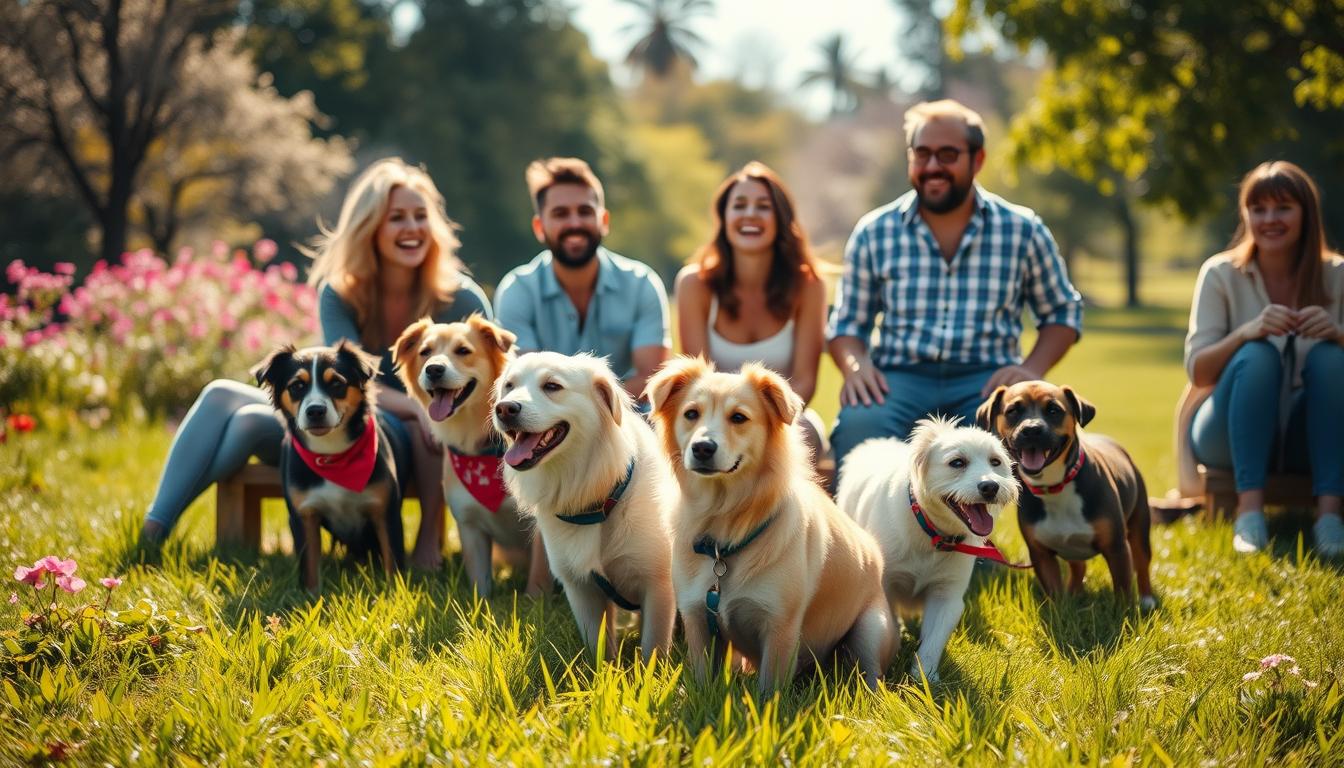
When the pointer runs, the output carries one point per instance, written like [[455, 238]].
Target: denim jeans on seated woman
[[1237, 428]]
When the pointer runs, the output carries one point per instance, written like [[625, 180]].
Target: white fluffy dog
[[589, 469], [961, 479]]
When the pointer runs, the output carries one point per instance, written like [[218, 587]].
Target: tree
[[238, 149], [89, 84], [838, 73], [667, 37], [1170, 103]]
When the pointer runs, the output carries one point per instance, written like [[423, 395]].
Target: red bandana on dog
[[481, 476], [351, 468]]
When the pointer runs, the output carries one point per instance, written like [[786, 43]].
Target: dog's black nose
[[704, 449], [435, 371], [316, 411], [1032, 429], [988, 489], [508, 409]]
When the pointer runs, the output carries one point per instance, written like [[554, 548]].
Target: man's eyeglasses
[[944, 155]]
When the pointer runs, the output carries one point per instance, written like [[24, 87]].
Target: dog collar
[[598, 512], [352, 468], [1050, 490], [610, 590], [707, 546], [481, 474], [957, 543]]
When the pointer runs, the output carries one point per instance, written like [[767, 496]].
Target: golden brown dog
[[1084, 495], [762, 560], [450, 368]]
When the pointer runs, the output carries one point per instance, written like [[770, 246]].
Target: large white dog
[[589, 469], [931, 504]]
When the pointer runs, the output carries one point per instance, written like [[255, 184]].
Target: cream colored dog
[[588, 468], [961, 478], [450, 368], [762, 559]]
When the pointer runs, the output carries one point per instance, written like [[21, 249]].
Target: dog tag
[[720, 568]]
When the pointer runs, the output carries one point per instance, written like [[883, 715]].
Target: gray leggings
[[228, 423]]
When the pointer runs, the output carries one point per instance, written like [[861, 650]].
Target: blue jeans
[[1238, 426], [913, 392]]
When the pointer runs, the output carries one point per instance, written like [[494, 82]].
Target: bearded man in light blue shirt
[[577, 296]]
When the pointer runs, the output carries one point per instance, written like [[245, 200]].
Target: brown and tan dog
[[1084, 495], [762, 559]]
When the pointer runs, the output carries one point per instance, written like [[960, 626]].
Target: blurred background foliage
[[1126, 125]]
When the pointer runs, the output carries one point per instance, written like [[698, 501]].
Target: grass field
[[415, 672]]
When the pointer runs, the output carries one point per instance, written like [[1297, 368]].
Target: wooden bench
[[238, 505], [1220, 491]]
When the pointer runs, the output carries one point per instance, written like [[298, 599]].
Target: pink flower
[[265, 250], [31, 338], [32, 576], [16, 271], [71, 584], [56, 566], [111, 582], [13, 598], [1274, 660], [64, 268], [184, 254]]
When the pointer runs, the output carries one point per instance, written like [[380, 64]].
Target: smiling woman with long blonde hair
[[390, 259]]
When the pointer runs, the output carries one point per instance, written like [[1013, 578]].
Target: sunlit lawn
[[414, 673]]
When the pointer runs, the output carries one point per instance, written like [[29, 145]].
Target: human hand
[[864, 384], [1007, 376], [1315, 323], [1273, 320]]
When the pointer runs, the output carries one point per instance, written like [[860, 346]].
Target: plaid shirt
[[966, 311]]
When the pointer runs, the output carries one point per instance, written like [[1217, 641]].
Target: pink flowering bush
[[51, 629], [144, 336]]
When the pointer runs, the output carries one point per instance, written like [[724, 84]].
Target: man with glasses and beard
[[948, 268], [577, 296]]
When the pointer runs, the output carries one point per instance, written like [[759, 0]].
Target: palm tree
[[666, 37], [837, 72]]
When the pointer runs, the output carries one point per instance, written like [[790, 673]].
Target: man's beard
[[956, 194], [558, 251]]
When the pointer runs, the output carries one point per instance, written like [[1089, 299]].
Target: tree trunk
[[1131, 234]]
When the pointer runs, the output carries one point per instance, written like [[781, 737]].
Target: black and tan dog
[[1084, 495], [337, 467]]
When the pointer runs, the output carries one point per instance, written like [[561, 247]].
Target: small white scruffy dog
[[961, 478]]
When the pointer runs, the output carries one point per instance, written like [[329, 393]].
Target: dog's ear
[[672, 379], [366, 365], [1083, 411], [403, 349], [610, 397], [494, 334], [988, 412], [269, 370], [921, 439], [779, 397]]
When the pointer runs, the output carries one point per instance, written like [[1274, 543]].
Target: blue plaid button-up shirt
[[968, 310]]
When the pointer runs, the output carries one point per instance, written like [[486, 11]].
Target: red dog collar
[[1050, 490], [352, 468], [954, 543]]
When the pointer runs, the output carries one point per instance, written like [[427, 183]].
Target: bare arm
[[646, 360], [809, 336], [408, 409], [1051, 344], [864, 384], [692, 299]]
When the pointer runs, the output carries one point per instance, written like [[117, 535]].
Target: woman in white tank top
[[753, 292]]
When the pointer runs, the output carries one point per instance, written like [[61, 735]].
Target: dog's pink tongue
[[441, 407], [978, 519], [522, 448], [1032, 460]]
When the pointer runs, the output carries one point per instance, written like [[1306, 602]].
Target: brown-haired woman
[[1266, 329], [753, 292]]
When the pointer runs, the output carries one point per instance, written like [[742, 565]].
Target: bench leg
[[252, 519], [229, 503]]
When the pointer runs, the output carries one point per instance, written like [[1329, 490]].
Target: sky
[[743, 38]]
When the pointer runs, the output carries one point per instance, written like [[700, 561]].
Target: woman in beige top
[[1266, 330]]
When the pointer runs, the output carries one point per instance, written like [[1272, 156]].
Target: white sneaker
[[1250, 533], [1329, 534]]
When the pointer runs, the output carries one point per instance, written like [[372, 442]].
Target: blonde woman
[[390, 260]]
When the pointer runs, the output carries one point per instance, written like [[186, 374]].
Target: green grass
[[415, 672]]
